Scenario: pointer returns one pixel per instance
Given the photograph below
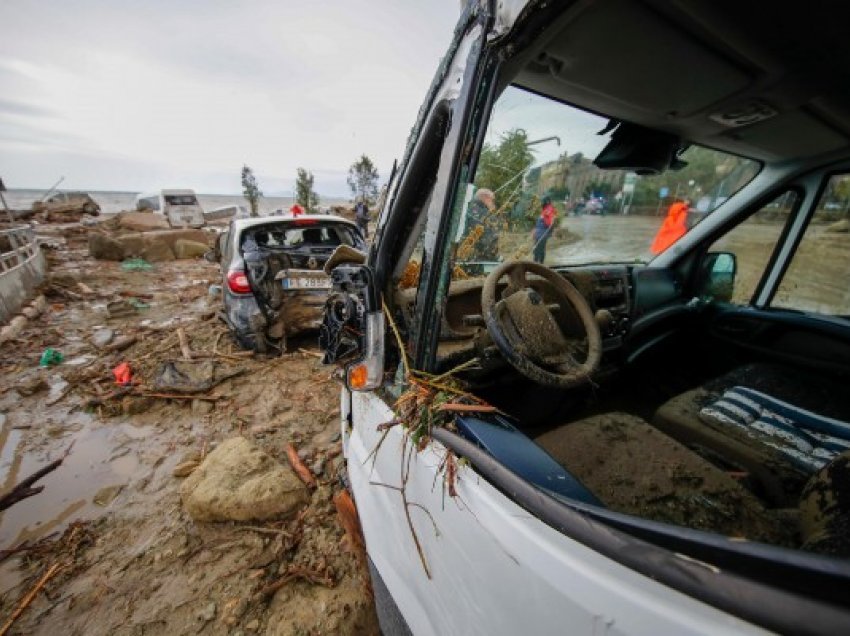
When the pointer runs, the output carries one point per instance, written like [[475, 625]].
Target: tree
[[305, 196], [502, 168], [363, 180], [250, 190]]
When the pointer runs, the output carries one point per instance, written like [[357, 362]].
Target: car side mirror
[[718, 276], [353, 327]]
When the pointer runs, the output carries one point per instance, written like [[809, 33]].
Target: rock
[[40, 303], [102, 337], [239, 482], [106, 496], [841, 227], [157, 251], [13, 329], [184, 469], [206, 613], [189, 249], [202, 407], [105, 248], [121, 343], [142, 221], [252, 625], [31, 386], [31, 313]]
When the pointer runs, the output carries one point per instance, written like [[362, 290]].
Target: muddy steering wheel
[[526, 332]]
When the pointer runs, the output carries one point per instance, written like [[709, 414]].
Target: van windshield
[[537, 194]]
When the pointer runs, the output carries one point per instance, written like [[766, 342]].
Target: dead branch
[[24, 490], [455, 407], [184, 343], [261, 530], [25, 602], [299, 467]]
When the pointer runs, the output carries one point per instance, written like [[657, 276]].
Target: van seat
[[773, 423]]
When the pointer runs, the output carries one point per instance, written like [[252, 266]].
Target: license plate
[[304, 282]]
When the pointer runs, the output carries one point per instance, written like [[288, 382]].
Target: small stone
[[102, 337], [30, 312], [318, 467], [106, 496], [202, 407], [253, 625], [184, 469], [206, 613]]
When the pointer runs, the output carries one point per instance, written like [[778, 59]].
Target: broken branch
[[25, 602], [299, 467]]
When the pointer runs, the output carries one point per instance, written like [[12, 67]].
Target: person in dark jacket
[[361, 217]]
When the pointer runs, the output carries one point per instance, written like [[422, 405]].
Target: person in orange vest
[[673, 228]]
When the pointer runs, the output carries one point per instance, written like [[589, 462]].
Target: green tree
[[305, 196], [503, 168], [250, 190], [363, 180]]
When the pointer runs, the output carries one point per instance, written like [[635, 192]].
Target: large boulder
[[189, 249], [157, 250], [105, 248], [240, 482], [142, 221]]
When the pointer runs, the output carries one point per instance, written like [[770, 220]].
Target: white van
[[180, 207]]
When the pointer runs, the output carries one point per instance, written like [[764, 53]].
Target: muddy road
[[109, 536]]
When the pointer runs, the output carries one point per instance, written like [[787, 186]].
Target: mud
[[136, 563], [634, 468]]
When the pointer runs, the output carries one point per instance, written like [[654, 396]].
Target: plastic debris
[[136, 265], [138, 304], [50, 357], [123, 374]]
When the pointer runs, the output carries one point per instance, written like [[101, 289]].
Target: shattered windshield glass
[[537, 195]]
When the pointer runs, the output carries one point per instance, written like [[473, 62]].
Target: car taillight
[[238, 283]]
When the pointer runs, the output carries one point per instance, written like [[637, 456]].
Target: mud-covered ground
[[109, 529]]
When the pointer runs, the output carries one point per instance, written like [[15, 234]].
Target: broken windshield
[[537, 195]]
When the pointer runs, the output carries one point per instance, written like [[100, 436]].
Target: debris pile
[[190, 430]]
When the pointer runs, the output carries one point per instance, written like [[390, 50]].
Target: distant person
[[296, 210], [361, 217], [673, 228], [543, 229], [480, 214]]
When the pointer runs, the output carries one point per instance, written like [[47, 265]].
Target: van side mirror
[[353, 327], [717, 276]]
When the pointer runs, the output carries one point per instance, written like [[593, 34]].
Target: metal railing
[[20, 245]]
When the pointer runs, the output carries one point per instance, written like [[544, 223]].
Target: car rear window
[[295, 237]]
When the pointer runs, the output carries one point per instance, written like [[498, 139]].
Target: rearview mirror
[[718, 276]]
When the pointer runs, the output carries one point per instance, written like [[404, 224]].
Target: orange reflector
[[358, 376]]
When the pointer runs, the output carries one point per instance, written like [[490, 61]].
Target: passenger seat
[[775, 424]]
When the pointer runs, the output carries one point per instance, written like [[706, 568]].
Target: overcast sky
[[129, 95]]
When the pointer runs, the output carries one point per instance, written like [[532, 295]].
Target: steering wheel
[[524, 330]]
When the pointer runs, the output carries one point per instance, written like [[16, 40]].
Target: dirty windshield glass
[[537, 195]]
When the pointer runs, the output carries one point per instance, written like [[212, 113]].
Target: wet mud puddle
[[100, 464]]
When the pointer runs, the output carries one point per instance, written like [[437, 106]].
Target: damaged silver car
[[273, 283]]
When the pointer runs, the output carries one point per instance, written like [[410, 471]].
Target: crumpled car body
[[273, 283]]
